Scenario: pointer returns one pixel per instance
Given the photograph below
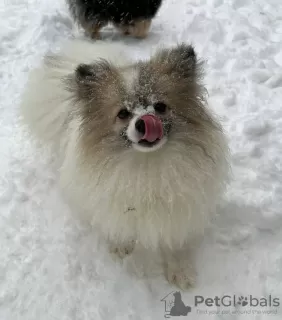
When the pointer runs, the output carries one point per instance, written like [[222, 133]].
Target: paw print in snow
[[243, 301]]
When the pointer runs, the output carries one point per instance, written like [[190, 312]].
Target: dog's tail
[[45, 107]]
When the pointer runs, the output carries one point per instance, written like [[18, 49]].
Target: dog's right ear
[[85, 72], [92, 73], [87, 79]]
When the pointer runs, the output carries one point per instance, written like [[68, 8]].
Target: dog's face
[[144, 107]]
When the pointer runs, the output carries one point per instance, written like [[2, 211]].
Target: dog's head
[[144, 107]]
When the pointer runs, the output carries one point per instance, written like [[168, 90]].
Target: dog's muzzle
[[150, 128]]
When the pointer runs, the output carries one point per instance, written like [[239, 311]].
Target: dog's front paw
[[183, 278], [123, 250]]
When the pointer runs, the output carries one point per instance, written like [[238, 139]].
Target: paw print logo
[[242, 301]]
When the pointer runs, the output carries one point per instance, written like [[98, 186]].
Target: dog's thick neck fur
[[167, 196]]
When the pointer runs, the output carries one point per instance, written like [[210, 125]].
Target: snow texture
[[51, 267]]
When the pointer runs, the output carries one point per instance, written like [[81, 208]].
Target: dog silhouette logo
[[174, 306]]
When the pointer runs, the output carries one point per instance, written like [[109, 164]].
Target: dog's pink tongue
[[153, 128]]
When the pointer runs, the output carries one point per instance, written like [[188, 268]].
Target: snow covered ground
[[53, 268]]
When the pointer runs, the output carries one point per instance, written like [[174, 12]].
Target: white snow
[[53, 268]]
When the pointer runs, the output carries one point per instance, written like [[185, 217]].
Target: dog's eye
[[160, 107], [123, 114]]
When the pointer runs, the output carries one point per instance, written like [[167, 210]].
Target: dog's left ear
[[180, 61]]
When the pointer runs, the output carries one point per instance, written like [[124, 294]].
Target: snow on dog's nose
[[150, 127]]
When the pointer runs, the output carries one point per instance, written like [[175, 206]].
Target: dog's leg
[[141, 29], [122, 250], [92, 30], [178, 266]]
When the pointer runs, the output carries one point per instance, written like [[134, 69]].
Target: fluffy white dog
[[140, 154]]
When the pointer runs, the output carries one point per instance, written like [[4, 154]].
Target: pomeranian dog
[[132, 17], [140, 155]]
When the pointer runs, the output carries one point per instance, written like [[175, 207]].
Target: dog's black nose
[[140, 126]]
